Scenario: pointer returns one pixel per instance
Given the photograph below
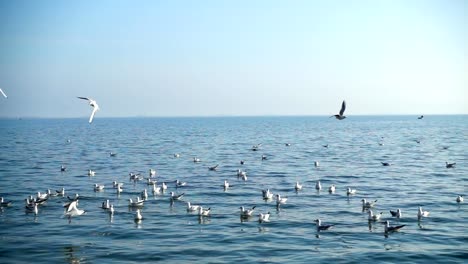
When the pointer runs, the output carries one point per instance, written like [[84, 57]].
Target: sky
[[233, 58]]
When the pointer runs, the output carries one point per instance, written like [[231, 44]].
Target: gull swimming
[[138, 215], [204, 212], [316, 164], [63, 168], [226, 184], [246, 212], [164, 186], [112, 154], [3, 93], [459, 199], [176, 196], [321, 227], [176, 155], [341, 116], [264, 218], [280, 200], [267, 195], [396, 213], [196, 160], [422, 213], [98, 188], [366, 204], [386, 163], [156, 189], [91, 173], [93, 104], [32, 209], [350, 191], [61, 192], [180, 184], [72, 209], [4, 203], [374, 217], [332, 188], [298, 186], [144, 195], [152, 172], [137, 203], [389, 228], [450, 165], [151, 182], [192, 208], [318, 186], [213, 168], [105, 205]]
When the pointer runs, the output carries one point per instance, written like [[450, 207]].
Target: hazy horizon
[[242, 58]]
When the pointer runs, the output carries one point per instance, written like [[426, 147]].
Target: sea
[[349, 153]]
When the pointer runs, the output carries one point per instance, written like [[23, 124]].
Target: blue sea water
[[32, 151]]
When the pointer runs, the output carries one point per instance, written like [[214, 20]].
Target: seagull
[[151, 182], [321, 227], [459, 199], [91, 173], [144, 195], [93, 104], [332, 188], [422, 213], [264, 218], [298, 186], [350, 191], [4, 203], [389, 228], [318, 186], [112, 154], [119, 188], [176, 196], [164, 186], [256, 147], [264, 157], [204, 212], [137, 203], [134, 176], [192, 208], [3, 93], [138, 215], [340, 116], [63, 168], [316, 163], [280, 200], [176, 155], [98, 188], [246, 212], [105, 205], [450, 165], [374, 217], [152, 172], [287, 144], [325, 146], [396, 213], [213, 168], [386, 163], [226, 184], [73, 198], [32, 209], [180, 184], [61, 192], [267, 195], [421, 117], [196, 160], [242, 162], [72, 209], [366, 204], [111, 210], [156, 189]]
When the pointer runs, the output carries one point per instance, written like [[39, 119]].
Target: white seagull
[[204, 212], [247, 212], [93, 104], [267, 195], [192, 208], [226, 184], [137, 203], [422, 213], [91, 173], [341, 116], [366, 204], [138, 215], [318, 186], [152, 172], [280, 200], [98, 188], [374, 217], [4, 95], [332, 188], [264, 218], [350, 191], [176, 196], [72, 209], [460, 199], [298, 186], [396, 213]]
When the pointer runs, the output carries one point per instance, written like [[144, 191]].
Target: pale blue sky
[[204, 58]]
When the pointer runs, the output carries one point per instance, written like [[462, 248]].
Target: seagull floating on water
[[386, 163], [420, 117], [366, 204], [267, 195], [318, 186], [374, 217], [192, 208], [176, 196], [137, 203], [156, 189], [93, 104], [422, 213], [63, 168], [341, 116], [280, 200], [264, 218], [91, 173], [246, 212], [213, 168], [152, 172], [321, 227], [144, 195], [450, 165], [176, 155], [332, 188], [298, 186], [72, 209], [196, 160], [226, 184], [61, 192], [112, 154], [180, 184], [105, 205], [204, 212], [396, 213], [389, 228], [138, 215], [316, 164], [350, 191], [151, 182], [4, 203], [459, 199]]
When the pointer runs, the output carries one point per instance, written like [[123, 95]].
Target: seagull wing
[[84, 98], [92, 114], [343, 108], [1, 91]]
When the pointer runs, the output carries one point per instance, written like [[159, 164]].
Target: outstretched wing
[[84, 98], [1, 91], [343, 108], [92, 114]]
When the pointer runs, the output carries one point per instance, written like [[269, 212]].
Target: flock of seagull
[[32, 203]]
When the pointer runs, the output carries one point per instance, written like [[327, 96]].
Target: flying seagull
[[1, 91], [343, 108], [93, 104]]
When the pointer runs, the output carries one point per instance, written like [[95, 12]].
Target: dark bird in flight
[[341, 116]]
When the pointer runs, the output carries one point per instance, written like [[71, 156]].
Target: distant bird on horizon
[[93, 104], [341, 116], [421, 117], [4, 95]]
